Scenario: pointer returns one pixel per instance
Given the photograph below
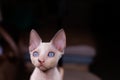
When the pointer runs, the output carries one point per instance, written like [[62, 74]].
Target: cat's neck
[[46, 75]]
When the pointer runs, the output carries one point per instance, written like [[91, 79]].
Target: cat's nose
[[41, 61]]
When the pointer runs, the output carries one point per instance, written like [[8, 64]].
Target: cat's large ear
[[34, 41], [59, 40]]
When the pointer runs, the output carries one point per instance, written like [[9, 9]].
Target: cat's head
[[45, 55]]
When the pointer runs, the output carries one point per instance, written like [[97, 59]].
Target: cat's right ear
[[34, 41]]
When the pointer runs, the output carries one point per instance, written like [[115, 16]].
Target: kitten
[[45, 55]]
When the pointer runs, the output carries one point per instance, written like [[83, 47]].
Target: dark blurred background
[[91, 22]]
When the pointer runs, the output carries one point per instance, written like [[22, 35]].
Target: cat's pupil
[[51, 54], [35, 54]]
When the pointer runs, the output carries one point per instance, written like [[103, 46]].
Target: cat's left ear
[[59, 40]]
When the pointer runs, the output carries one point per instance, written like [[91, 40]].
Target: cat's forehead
[[45, 46], [42, 47]]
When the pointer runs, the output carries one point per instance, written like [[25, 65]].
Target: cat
[[45, 55]]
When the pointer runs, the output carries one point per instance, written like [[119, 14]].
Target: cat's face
[[46, 55]]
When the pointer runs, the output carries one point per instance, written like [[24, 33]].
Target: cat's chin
[[44, 69]]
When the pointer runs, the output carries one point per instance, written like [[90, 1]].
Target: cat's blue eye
[[51, 54], [35, 54]]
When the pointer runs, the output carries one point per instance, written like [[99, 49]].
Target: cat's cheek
[[52, 63], [35, 62]]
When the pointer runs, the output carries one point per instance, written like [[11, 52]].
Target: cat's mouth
[[41, 65], [43, 68]]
